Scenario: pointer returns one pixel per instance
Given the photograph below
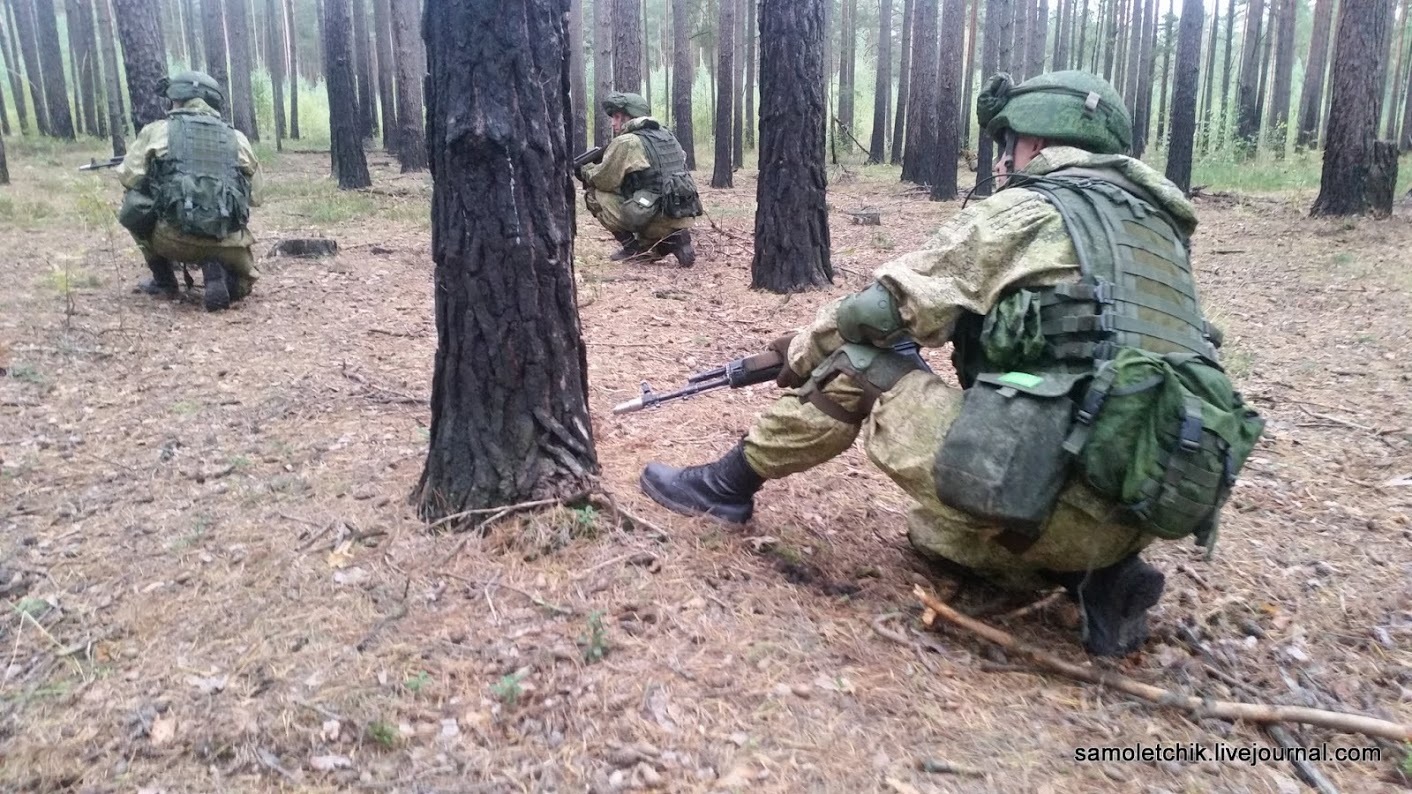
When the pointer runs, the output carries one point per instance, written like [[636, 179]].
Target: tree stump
[[305, 247]]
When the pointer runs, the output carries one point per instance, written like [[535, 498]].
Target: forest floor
[[213, 580]]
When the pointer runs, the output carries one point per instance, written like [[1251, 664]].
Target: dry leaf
[[835, 684], [341, 555], [163, 730], [208, 684]]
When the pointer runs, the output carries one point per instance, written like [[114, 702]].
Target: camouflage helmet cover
[[631, 104], [1071, 107], [193, 85]]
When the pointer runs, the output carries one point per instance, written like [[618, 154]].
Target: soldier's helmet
[[631, 104], [1071, 107], [193, 85]]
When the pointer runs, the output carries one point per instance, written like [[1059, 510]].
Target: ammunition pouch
[[875, 370], [138, 214], [1003, 459], [640, 209]]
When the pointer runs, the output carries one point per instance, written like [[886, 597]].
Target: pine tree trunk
[[578, 78], [1227, 67], [752, 42], [602, 69], [386, 68], [1023, 13], [683, 78], [51, 58], [725, 67], [1284, 76], [1110, 40], [4, 166], [1144, 80], [919, 160], [792, 221], [1394, 80], [1354, 109], [1208, 86], [994, 55], [346, 119], [948, 121], [274, 57], [1179, 151], [1081, 48], [1037, 40], [144, 58], [1063, 14], [1271, 18], [242, 98], [882, 85], [1404, 142], [738, 87], [14, 68], [213, 26], [363, 68], [411, 65], [509, 406], [190, 30], [293, 39], [112, 84], [969, 76], [1247, 96], [904, 84], [847, 39], [4, 114], [85, 44], [627, 46], [1167, 46]]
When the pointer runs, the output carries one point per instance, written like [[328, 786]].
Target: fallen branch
[[391, 395], [1337, 420], [1256, 713], [539, 602], [1033, 607]]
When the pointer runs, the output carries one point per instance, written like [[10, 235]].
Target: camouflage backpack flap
[[201, 190], [668, 177]]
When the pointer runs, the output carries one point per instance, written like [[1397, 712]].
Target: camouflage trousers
[[607, 208], [233, 252], [904, 430]]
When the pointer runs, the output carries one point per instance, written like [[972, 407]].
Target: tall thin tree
[[791, 219], [1355, 108], [1208, 84], [1167, 46], [683, 78], [1037, 40], [627, 45], [350, 165], [1179, 152], [725, 67], [144, 58], [969, 75], [15, 69], [1284, 76], [411, 65], [242, 67], [578, 77], [293, 39], [738, 87], [363, 66], [904, 84], [1023, 13], [191, 32], [275, 53], [847, 61], [213, 39], [51, 58], [919, 160], [995, 56], [882, 85], [79, 19], [948, 123], [602, 69], [1247, 89], [111, 82], [1227, 66], [386, 68], [509, 404], [752, 43]]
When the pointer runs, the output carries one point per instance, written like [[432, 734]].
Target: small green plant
[[585, 521], [382, 732], [418, 682], [508, 690], [883, 242], [595, 642], [184, 407], [27, 373], [240, 462], [1407, 759]]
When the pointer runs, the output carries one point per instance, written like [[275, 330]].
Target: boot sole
[[737, 517], [217, 297]]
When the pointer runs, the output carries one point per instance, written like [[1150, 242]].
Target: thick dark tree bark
[[1284, 77], [683, 78], [602, 69], [919, 160], [752, 41], [968, 76], [275, 61], [363, 68], [51, 58], [411, 65], [847, 61], [4, 166], [627, 45], [144, 58], [1404, 142], [350, 165], [509, 406], [386, 69], [1247, 89], [1179, 151], [725, 67], [738, 87], [792, 219], [111, 82], [18, 82], [213, 27], [948, 111], [4, 114], [292, 38], [242, 65], [994, 55], [882, 86], [1354, 109], [904, 84], [578, 78]]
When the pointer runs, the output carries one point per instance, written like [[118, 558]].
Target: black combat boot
[[724, 489], [679, 245], [630, 247], [163, 283], [213, 273], [1114, 602]]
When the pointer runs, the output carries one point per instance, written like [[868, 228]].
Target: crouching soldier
[[191, 179], [1093, 418], [640, 190]]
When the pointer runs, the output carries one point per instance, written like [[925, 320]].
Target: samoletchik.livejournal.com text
[[1196, 752]]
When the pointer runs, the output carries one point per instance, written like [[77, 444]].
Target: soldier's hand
[[788, 378]]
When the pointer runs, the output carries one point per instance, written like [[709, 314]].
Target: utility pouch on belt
[[138, 214], [640, 208], [1003, 459]]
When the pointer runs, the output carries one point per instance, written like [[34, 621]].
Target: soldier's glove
[[788, 378]]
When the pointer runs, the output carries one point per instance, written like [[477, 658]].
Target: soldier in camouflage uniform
[[191, 180], [640, 190], [1059, 126]]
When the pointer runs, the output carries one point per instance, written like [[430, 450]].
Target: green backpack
[[1165, 436], [201, 190]]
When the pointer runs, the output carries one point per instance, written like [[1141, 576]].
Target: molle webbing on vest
[[1136, 288], [201, 145], [200, 188], [665, 155]]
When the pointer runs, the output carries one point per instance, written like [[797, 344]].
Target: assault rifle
[[594, 155], [94, 165], [747, 371]]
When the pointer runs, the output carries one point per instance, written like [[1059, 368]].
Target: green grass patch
[[24, 212]]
